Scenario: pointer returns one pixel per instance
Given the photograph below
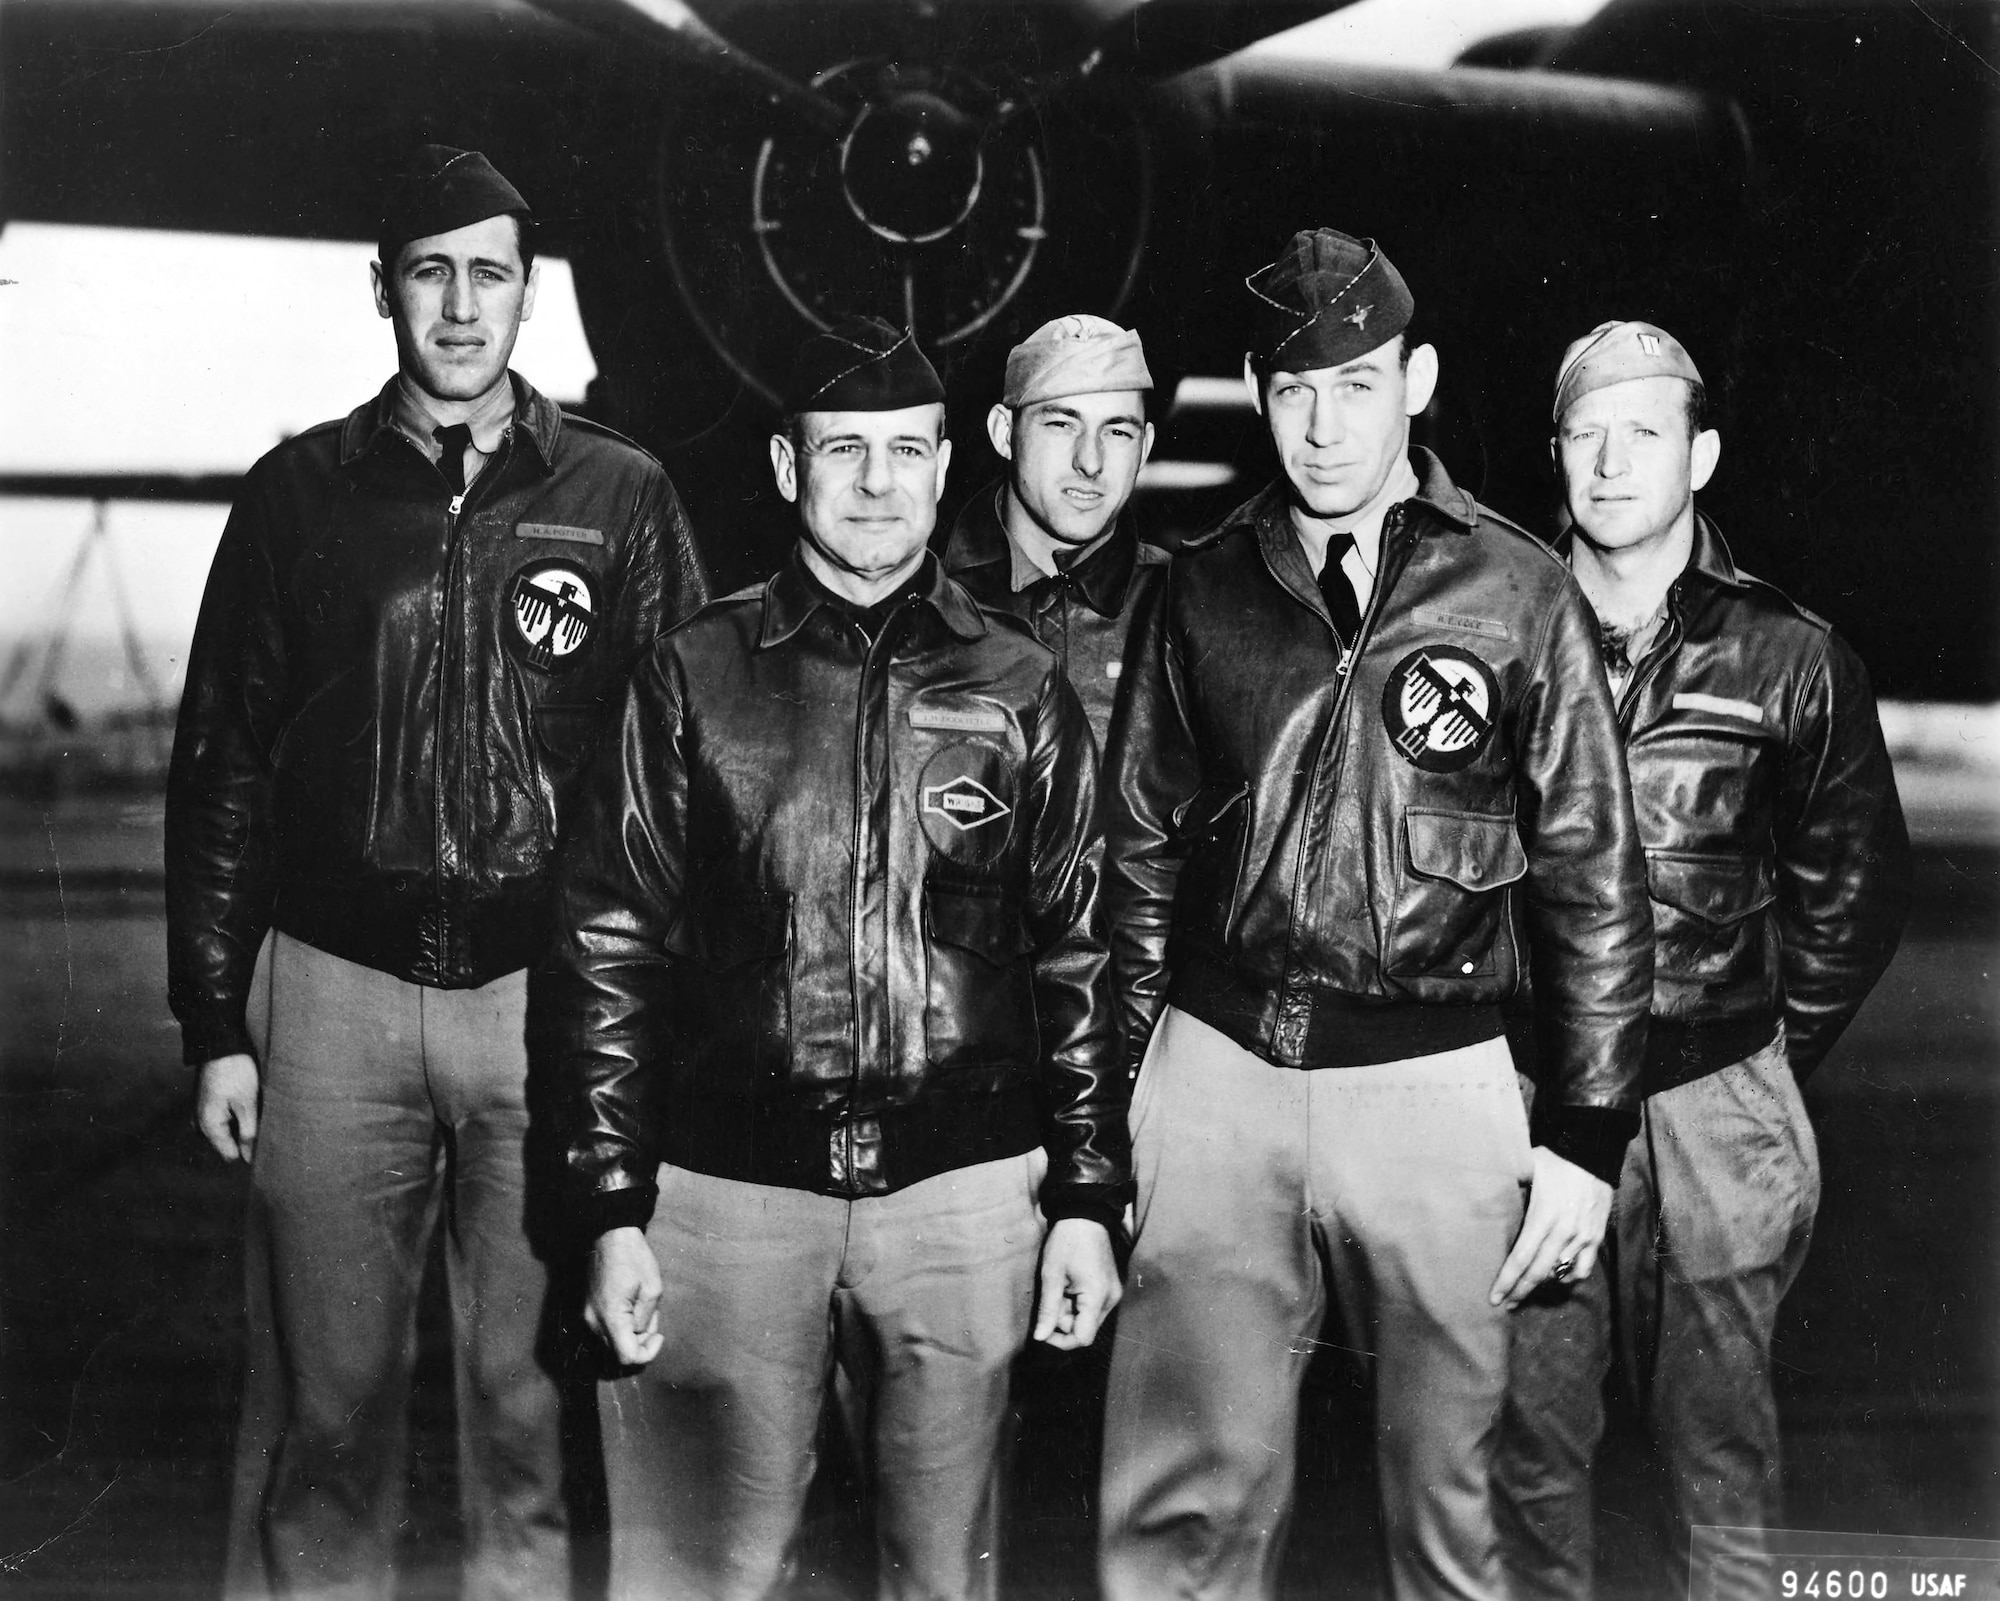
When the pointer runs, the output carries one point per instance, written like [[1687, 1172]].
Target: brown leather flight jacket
[[390, 697], [1300, 846], [828, 919], [1775, 847], [1084, 614]]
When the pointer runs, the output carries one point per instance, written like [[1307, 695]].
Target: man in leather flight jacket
[[1331, 793], [830, 1013], [415, 624], [1777, 859], [1050, 541]]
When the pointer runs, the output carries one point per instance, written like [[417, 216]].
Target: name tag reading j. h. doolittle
[[962, 719]]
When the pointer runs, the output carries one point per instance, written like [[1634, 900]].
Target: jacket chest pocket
[[979, 1004], [739, 1003], [1708, 930], [1450, 901]]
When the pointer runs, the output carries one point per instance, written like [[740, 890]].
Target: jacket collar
[[1269, 510], [537, 420], [1268, 514], [1708, 559], [790, 598], [979, 552]]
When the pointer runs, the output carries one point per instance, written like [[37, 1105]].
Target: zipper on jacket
[[1649, 669], [863, 790], [451, 644], [1386, 575]]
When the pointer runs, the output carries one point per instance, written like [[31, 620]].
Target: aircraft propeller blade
[[1161, 38], [675, 26]]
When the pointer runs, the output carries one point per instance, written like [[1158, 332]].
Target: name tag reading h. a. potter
[[965, 718]]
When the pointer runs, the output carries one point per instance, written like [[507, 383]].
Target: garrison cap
[[440, 188], [861, 364], [1327, 299], [1076, 355], [1612, 352]]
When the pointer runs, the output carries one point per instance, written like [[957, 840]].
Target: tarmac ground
[[120, 1296]]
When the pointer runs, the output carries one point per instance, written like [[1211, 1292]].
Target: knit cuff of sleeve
[[214, 1032], [630, 1207], [1593, 1137]]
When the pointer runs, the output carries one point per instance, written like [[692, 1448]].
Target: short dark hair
[[1697, 407], [387, 251]]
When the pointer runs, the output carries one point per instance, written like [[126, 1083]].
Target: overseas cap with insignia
[[861, 364], [1612, 352], [439, 189], [1077, 355], [1327, 299]]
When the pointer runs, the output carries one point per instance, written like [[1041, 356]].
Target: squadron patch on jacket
[[554, 613], [965, 801], [1439, 706]]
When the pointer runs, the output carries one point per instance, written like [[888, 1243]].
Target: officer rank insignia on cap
[[1439, 707], [554, 612]]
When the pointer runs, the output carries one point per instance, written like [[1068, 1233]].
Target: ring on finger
[[1563, 1268]]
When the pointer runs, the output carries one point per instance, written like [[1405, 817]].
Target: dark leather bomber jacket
[[828, 920], [1294, 846], [389, 698], [1775, 847], [1084, 614]]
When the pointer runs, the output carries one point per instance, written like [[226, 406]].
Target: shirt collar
[[790, 598], [1364, 525], [537, 419], [413, 414], [981, 550]]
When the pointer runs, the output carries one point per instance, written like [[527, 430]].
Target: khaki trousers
[[1709, 1229], [387, 1105], [1392, 1192], [922, 1297]]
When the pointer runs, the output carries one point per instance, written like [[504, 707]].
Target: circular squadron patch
[[965, 801], [554, 612], [1439, 707]]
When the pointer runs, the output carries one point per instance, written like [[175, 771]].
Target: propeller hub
[[911, 167]]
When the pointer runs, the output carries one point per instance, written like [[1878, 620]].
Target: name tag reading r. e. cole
[[1464, 622], [967, 718]]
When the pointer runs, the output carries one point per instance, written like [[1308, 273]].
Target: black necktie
[[454, 442], [1337, 592]]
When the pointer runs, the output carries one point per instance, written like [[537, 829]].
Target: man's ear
[[1145, 444], [1253, 384], [1420, 379], [380, 280], [1703, 454], [528, 299], [785, 467], [1000, 429], [943, 464]]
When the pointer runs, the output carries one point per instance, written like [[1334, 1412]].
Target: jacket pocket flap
[[1199, 814], [735, 928], [1470, 849], [569, 732], [987, 925], [1717, 889]]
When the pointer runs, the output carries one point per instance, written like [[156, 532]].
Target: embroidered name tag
[[574, 536], [1688, 700], [1464, 623], [965, 720]]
